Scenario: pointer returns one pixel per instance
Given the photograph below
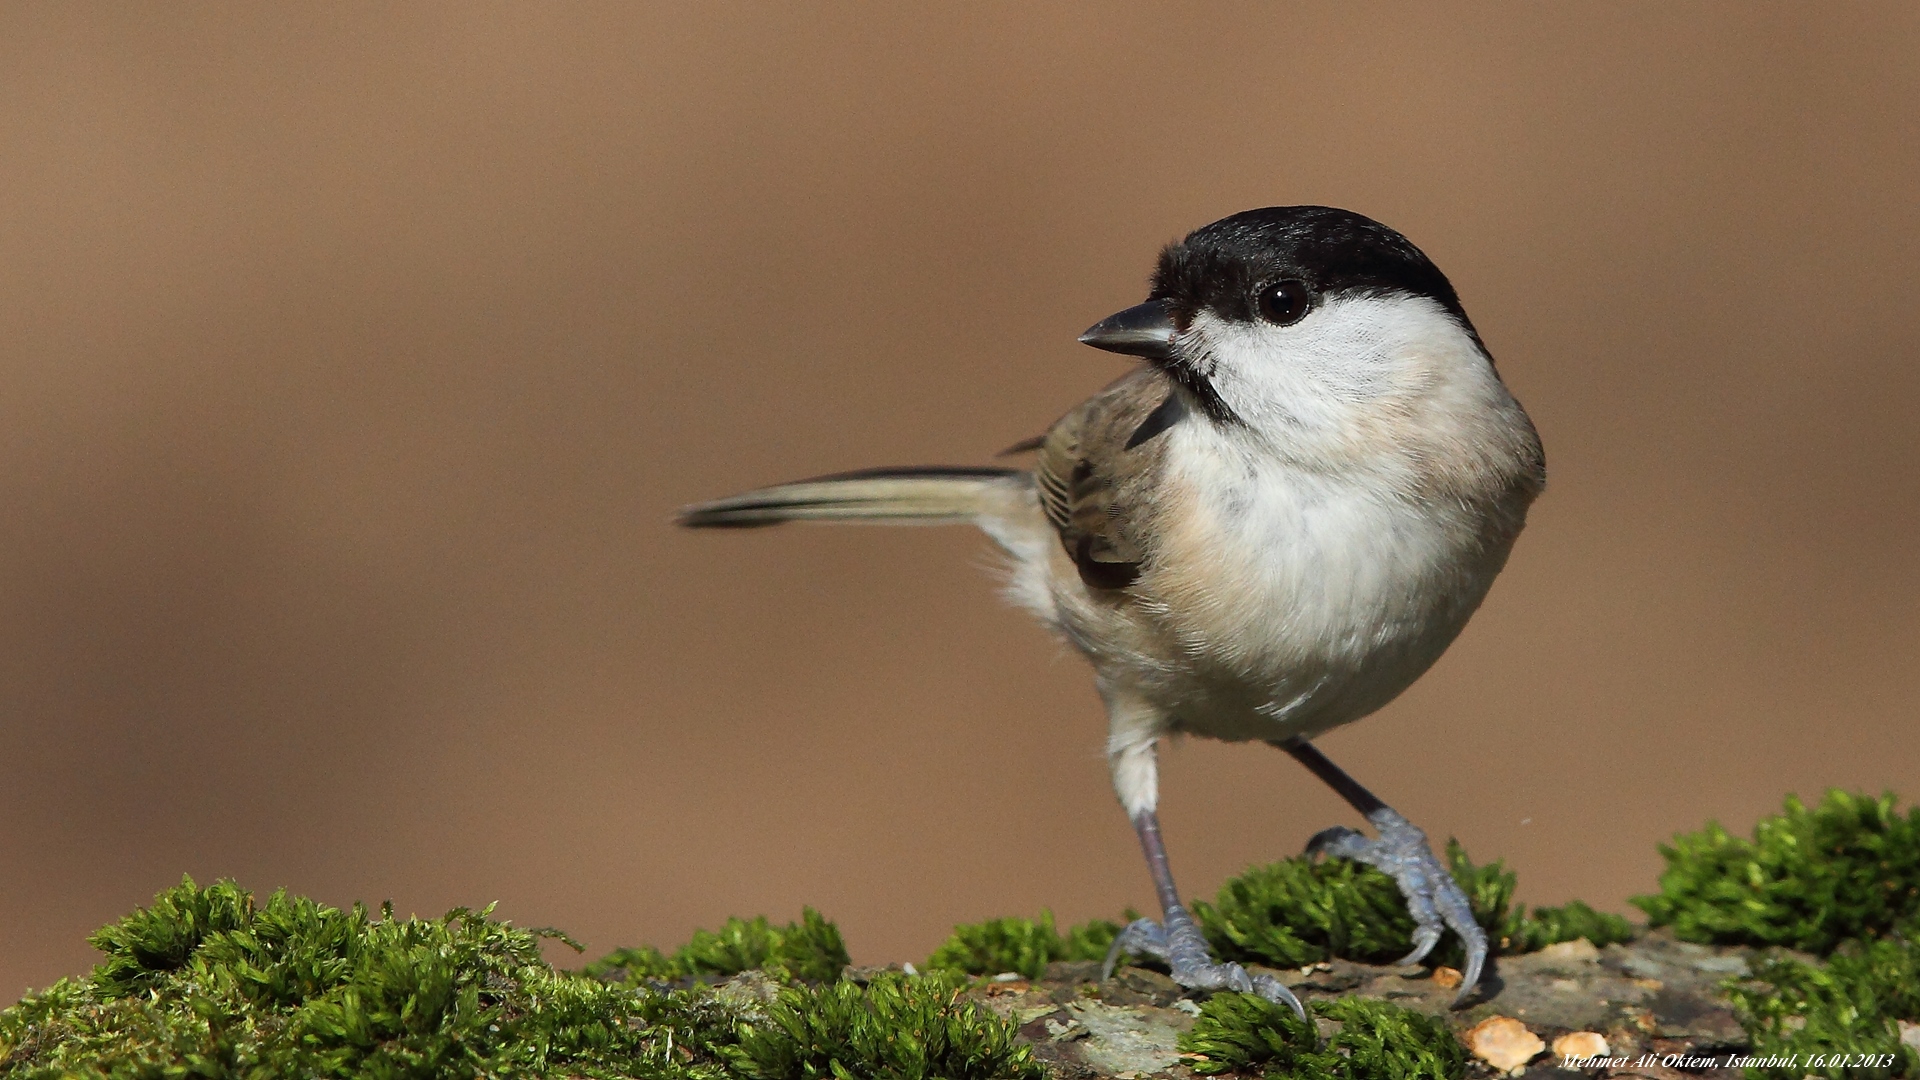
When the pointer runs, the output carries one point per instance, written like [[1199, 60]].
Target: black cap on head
[[1223, 266]]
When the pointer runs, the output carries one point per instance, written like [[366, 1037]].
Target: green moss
[[1090, 940], [1382, 1040], [1489, 890], [205, 983], [1540, 927], [810, 949], [1245, 1033], [897, 1027], [154, 941], [1299, 911], [634, 966], [1852, 1005], [1809, 879], [1023, 945]]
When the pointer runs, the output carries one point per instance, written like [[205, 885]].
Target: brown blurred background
[[353, 359]]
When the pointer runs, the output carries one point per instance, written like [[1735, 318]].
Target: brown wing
[[1096, 467]]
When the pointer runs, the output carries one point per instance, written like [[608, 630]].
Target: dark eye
[[1284, 303]]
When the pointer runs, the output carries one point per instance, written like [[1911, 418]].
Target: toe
[[1450, 903], [1338, 841], [1140, 936]]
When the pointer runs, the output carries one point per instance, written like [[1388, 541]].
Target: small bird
[[1269, 529]]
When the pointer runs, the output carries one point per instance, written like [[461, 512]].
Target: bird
[[1269, 528]]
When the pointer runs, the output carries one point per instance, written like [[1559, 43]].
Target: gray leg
[[1177, 940], [1434, 899]]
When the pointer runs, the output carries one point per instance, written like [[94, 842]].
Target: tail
[[922, 495]]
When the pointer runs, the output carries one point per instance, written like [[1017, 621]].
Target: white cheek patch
[[1350, 353]]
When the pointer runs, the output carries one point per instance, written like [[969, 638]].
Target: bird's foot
[[1434, 899], [1179, 943]]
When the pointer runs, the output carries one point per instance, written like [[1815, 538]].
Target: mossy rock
[[1809, 879], [211, 983], [207, 983], [1249, 1035], [1852, 1005]]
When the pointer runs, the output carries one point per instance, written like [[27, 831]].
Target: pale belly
[[1281, 607]]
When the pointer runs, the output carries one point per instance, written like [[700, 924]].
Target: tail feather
[[912, 495]]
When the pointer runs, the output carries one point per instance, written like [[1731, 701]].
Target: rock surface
[[1653, 997]]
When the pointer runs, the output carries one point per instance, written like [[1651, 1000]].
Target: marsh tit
[[1269, 529]]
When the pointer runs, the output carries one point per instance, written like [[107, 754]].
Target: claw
[[1180, 944], [1476, 959], [1434, 899], [1424, 939]]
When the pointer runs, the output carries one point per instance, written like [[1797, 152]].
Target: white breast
[[1301, 600]]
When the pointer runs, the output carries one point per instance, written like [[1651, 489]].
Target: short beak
[[1144, 330]]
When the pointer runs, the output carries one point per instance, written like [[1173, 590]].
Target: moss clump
[[1385, 1041], [1301, 911], [1544, 926], [898, 1027], [1851, 1006], [1245, 1033], [206, 983], [1809, 879], [1023, 945], [810, 949]]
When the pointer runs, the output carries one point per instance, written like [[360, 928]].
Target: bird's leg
[[1177, 940], [1401, 850], [1135, 726]]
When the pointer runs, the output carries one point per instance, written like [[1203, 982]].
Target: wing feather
[[1095, 473]]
